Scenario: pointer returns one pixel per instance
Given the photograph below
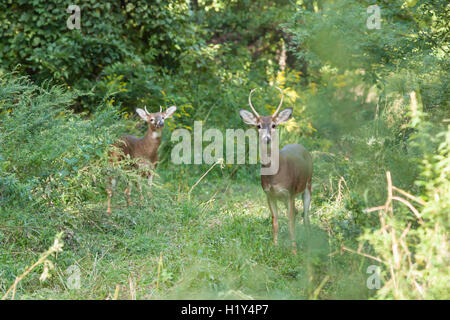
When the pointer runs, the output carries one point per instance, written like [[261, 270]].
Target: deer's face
[[156, 120], [266, 125]]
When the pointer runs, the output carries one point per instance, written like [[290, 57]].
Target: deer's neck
[[150, 143], [153, 136], [267, 155]]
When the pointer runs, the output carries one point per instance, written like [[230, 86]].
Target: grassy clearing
[[216, 245], [213, 242]]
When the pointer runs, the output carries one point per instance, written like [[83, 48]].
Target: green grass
[[217, 245]]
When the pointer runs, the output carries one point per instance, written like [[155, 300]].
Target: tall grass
[[209, 235]]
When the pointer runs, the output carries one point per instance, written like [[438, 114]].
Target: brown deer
[[294, 169], [144, 149]]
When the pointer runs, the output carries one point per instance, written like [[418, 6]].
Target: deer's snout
[[160, 124], [266, 139]]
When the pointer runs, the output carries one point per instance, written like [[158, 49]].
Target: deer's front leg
[[109, 191], [274, 210], [148, 168], [141, 196], [150, 182], [152, 173], [108, 210], [127, 193]]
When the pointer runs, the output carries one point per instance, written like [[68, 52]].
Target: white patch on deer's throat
[[156, 134]]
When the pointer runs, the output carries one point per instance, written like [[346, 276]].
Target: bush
[[47, 151], [413, 244]]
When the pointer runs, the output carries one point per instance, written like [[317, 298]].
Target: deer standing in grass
[[144, 149], [294, 170]]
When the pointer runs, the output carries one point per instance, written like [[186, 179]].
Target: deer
[[294, 169], [143, 149]]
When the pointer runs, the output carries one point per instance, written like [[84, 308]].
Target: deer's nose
[[266, 139], [160, 124]]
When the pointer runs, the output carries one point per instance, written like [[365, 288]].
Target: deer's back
[[294, 172]]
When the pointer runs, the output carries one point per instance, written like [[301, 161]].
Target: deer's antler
[[250, 102], [281, 102]]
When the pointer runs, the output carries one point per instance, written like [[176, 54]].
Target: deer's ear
[[248, 117], [283, 116], [142, 114], [170, 111]]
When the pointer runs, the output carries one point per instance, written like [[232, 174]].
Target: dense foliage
[[366, 102]]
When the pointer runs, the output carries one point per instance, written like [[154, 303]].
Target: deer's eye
[[152, 120], [273, 126], [258, 126]]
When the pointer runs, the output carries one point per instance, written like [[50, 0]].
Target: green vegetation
[[366, 102]]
